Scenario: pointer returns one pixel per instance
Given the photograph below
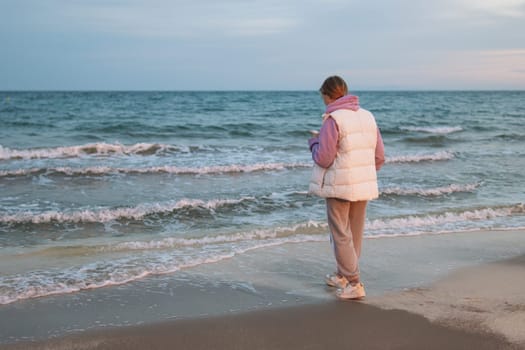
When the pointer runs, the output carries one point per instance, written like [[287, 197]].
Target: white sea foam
[[407, 223], [442, 130], [101, 274], [436, 191], [209, 250], [92, 149], [415, 158], [205, 170], [167, 169], [261, 234], [105, 215]]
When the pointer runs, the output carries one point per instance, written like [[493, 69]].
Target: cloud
[[504, 8], [469, 9], [254, 26], [461, 69], [181, 19], [487, 65], [262, 43]]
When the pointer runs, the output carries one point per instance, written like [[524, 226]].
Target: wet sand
[[346, 325]]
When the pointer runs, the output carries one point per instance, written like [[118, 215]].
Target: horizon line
[[264, 90]]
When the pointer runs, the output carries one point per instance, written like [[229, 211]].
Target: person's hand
[[314, 133]]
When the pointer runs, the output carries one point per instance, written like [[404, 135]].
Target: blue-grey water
[[103, 188]]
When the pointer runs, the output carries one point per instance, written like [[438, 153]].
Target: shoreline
[[403, 310], [316, 326]]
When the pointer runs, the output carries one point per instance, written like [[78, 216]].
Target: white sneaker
[[352, 292], [336, 281]]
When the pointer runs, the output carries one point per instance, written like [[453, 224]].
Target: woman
[[347, 153]]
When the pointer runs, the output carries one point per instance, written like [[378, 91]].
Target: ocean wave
[[92, 149], [431, 140], [407, 223], [415, 158], [167, 169], [310, 227], [218, 169], [124, 270], [512, 137], [430, 192], [153, 260], [106, 215], [403, 226], [190, 209], [441, 130]]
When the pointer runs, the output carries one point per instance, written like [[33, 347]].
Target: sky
[[261, 45]]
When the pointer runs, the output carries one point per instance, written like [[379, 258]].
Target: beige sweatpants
[[346, 221]]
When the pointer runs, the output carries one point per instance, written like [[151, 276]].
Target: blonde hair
[[334, 87]]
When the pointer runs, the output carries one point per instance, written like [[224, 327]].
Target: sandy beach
[[486, 298], [347, 325], [475, 304]]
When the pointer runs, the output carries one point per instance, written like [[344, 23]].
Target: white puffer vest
[[352, 175]]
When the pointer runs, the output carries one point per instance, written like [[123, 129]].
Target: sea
[[107, 188]]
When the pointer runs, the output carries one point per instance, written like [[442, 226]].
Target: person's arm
[[324, 146], [380, 151]]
